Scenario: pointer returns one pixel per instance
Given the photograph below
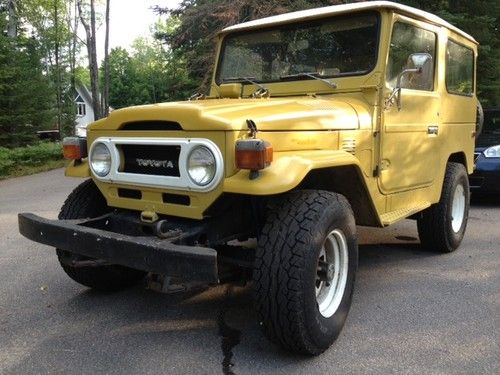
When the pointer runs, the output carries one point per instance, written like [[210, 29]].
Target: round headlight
[[100, 159], [201, 165]]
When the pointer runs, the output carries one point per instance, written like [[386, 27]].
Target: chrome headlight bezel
[[105, 161], [181, 182], [201, 165]]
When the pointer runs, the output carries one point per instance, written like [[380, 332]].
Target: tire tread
[[279, 264]]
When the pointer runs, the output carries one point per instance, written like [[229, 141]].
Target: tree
[[120, 76], [90, 32], [25, 91], [150, 74], [48, 20], [12, 27], [105, 96]]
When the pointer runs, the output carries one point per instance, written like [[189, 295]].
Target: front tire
[[86, 201], [304, 270], [442, 226]]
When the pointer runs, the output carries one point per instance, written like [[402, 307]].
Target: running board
[[394, 216]]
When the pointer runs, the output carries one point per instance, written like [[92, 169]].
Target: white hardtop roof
[[315, 13]]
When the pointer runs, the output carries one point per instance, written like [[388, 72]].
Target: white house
[[84, 110]]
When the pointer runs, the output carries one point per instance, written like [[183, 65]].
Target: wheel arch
[[458, 157], [335, 171], [461, 158], [348, 181]]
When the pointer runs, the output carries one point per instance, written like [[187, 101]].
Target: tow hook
[[162, 230]]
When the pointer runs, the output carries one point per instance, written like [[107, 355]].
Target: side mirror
[[418, 61]]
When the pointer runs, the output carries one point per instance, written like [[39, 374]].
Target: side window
[[459, 69], [406, 40]]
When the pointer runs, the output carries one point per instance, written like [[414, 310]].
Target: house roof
[[84, 92], [316, 13]]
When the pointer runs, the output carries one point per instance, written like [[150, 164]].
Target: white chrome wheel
[[331, 273], [458, 208]]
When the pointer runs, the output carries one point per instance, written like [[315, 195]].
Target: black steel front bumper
[[146, 253]]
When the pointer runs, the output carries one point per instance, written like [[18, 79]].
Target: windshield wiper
[[314, 75], [260, 92]]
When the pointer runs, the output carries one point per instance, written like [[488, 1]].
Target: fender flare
[[287, 171]]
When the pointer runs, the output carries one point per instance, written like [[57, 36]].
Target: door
[[410, 135]]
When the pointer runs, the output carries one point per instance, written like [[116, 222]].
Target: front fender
[[81, 169], [287, 171]]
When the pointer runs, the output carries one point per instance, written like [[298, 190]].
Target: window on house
[[81, 109], [406, 40], [459, 69]]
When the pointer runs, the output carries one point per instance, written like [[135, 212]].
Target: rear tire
[[302, 303], [86, 201], [441, 227]]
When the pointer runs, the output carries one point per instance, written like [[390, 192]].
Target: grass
[[32, 159]]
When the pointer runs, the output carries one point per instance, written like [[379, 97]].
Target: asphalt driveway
[[413, 311]]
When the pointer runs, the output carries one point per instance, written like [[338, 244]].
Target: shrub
[[29, 156]]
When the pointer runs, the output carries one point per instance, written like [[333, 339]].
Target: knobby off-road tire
[[442, 226], [86, 201], [301, 229]]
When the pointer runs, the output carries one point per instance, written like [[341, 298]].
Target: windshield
[[333, 47]]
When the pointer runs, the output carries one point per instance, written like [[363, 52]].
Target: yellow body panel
[[286, 172], [311, 126], [78, 170]]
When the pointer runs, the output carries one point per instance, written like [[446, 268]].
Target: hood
[[272, 114]]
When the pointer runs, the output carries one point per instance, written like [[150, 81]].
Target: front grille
[[476, 155], [159, 160]]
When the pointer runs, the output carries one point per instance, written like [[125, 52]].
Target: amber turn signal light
[[74, 148], [253, 154]]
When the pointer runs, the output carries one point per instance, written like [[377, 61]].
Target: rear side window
[[459, 69]]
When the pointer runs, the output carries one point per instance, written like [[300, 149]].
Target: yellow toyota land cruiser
[[316, 121]]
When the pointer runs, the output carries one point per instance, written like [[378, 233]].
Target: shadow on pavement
[[210, 331]]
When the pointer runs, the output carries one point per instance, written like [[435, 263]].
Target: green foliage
[[25, 97], [35, 90], [149, 74], [48, 20], [39, 154]]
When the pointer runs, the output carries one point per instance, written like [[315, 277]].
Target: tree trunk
[[105, 109], [92, 56], [57, 66], [72, 44], [12, 25]]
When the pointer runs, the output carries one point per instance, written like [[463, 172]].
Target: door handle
[[432, 130]]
